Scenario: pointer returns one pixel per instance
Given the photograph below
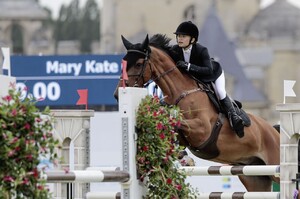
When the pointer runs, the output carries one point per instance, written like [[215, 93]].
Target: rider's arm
[[205, 69]]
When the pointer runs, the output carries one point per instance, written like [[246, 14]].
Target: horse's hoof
[[181, 154], [187, 161]]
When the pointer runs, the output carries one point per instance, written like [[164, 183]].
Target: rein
[[159, 76]]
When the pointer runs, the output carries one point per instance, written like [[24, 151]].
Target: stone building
[[270, 51], [22, 27], [264, 41]]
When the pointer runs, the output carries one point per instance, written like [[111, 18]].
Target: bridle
[[141, 74]]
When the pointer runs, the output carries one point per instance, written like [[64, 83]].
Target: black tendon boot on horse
[[235, 120]]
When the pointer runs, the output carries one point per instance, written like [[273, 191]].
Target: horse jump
[[127, 176]]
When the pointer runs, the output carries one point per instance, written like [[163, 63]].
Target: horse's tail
[[277, 127]]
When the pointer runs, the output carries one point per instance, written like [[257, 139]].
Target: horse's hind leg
[[257, 183]]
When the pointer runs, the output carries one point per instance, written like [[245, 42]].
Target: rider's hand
[[182, 65]]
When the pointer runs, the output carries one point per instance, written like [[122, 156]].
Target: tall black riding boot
[[235, 120]]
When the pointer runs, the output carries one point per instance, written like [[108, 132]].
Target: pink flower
[[23, 109], [145, 148], [182, 162], [38, 120], [178, 124], [4, 135], [25, 181], [27, 126], [40, 187], [29, 157], [141, 160], [8, 178], [169, 181], [159, 126], [162, 136], [166, 159], [11, 153], [148, 108], [14, 112], [14, 140], [178, 187], [35, 173], [7, 98], [142, 178]]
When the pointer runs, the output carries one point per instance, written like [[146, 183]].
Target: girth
[[208, 149]]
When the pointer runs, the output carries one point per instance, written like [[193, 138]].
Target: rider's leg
[[235, 120]]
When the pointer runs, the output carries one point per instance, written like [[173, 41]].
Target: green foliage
[[157, 151], [25, 137]]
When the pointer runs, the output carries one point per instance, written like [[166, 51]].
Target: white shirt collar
[[187, 50]]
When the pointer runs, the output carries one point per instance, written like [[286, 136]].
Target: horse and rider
[[185, 72]]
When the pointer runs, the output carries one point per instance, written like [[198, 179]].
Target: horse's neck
[[174, 83]]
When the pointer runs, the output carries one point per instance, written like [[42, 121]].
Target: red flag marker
[[83, 97], [124, 72]]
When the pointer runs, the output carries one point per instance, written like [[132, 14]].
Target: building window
[[17, 39]]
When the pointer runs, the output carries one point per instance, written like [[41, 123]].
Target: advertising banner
[[54, 80]]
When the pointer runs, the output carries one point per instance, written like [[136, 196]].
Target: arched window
[[17, 39], [66, 151]]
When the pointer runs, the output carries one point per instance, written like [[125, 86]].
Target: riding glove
[[183, 65]]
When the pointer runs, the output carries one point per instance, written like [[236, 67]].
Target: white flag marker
[[288, 89], [6, 61]]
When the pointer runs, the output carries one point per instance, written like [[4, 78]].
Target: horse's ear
[[126, 43], [145, 43]]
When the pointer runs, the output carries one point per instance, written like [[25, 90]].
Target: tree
[[74, 23], [89, 25]]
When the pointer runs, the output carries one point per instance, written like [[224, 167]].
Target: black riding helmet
[[188, 28]]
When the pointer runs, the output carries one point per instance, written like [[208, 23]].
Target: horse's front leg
[[193, 132]]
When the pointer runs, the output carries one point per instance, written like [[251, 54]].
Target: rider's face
[[183, 41]]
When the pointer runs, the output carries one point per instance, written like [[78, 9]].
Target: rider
[[194, 58]]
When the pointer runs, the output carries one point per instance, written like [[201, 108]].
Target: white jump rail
[[240, 195], [86, 176], [267, 170]]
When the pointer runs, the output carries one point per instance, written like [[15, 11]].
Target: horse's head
[[137, 57]]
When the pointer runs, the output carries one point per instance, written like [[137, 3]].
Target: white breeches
[[220, 86]]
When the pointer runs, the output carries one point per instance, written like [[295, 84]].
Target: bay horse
[[152, 60]]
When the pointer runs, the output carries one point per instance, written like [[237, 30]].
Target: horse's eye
[[138, 65]]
